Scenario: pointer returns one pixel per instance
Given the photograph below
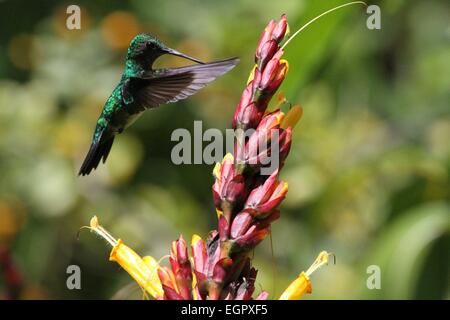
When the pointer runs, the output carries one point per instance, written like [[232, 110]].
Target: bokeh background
[[368, 171]]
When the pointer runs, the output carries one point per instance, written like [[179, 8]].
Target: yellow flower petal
[[252, 75], [285, 188], [216, 170], [292, 117], [228, 157], [286, 69], [194, 283], [279, 118], [195, 238]]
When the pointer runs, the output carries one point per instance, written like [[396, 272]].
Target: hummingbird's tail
[[99, 149]]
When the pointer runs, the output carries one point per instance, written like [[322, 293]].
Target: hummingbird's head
[[145, 48]]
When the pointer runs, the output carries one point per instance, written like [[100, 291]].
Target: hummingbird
[[142, 87]]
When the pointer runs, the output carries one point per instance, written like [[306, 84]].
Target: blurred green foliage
[[368, 171]]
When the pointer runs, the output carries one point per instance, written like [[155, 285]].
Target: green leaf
[[401, 251]]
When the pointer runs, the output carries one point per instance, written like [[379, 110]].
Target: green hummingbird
[[141, 87]]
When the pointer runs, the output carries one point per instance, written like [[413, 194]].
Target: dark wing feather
[[158, 87]]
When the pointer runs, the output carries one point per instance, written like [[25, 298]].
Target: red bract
[[199, 256], [168, 284], [229, 187], [280, 30], [271, 121], [267, 50], [181, 268], [260, 146], [265, 198], [241, 223], [266, 36], [248, 113], [273, 75]]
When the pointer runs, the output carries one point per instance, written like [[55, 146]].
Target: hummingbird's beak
[[182, 55]]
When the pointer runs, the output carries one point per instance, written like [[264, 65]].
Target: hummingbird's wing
[[162, 86]]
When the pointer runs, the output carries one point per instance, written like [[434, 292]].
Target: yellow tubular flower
[[302, 284], [143, 270]]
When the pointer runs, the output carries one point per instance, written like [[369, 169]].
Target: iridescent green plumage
[[142, 87]]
